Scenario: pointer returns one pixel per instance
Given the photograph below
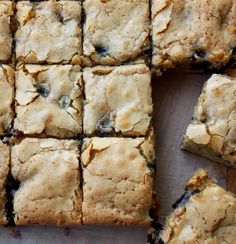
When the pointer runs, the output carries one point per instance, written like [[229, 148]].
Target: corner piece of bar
[[207, 216]]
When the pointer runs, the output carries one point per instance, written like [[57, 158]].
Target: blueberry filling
[[105, 125], [199, 54], [153, 238], [11, 187], [102, 51], [64, 102], [42, 90], [183, 199]]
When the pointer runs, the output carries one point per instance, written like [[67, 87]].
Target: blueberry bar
[[193, 32], [212, 131], [118, 100], [48, 32], [4, 171], [49, 182], [204, 214], [6, 98], [118, 180], [49, 100], [6, 13], [116, 31]]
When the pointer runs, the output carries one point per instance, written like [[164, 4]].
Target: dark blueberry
[[17, 133], [42, 90], [154, 236], [199, 54], [64, 102], [234, 52], [105, 125], [152, 167], [183, 199], [102, 51], [11, 187]]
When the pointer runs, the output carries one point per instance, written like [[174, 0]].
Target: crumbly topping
[[193, 30], [116, 31], [117, 180], [4, 170], [214, 123], [208, 217], [6, 12], [49, 32], [6, 98], [49, 100], [48, 172], [118, 100]]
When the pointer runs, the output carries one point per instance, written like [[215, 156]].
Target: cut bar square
[[118, 180], [49, 177], [49, 100], [116, 31], [49, 32], [193, 32], [212, 132], [204, 214], [6, 98], [6, 13], [4, 171], [118, 100]]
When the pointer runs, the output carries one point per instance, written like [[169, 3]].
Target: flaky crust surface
[[116, 31], [49, 100], [118, 182], [6, 12], [212, 132], [4, 170], [118, 100], [186, 31], [49, 176], [49, 32], [209, 217], [6, 98]]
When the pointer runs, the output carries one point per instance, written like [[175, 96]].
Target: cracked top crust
[[6, 12], [116, 31], [208, 217], [118, 180], [49, 31], [49, 100], [6, 97], [118, 100], [49, 176], [4, 170], [214, 125], [193, 30]]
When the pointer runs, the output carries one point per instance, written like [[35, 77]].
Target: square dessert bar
[[118, 100], [49, 100], [6, 98], [193, 31], [206, 213], [212, 132], [6, 13], [48, 32], [4, 171], [118, 180], [49, 182], [116, 31]]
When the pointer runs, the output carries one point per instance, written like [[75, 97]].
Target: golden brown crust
[[116, 31], [208, 216], [49, 100], [49, 176], [6, 12], [197, 30], [118, 183], [212, 133], [49, 32], [7, 80], [118, 100]]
